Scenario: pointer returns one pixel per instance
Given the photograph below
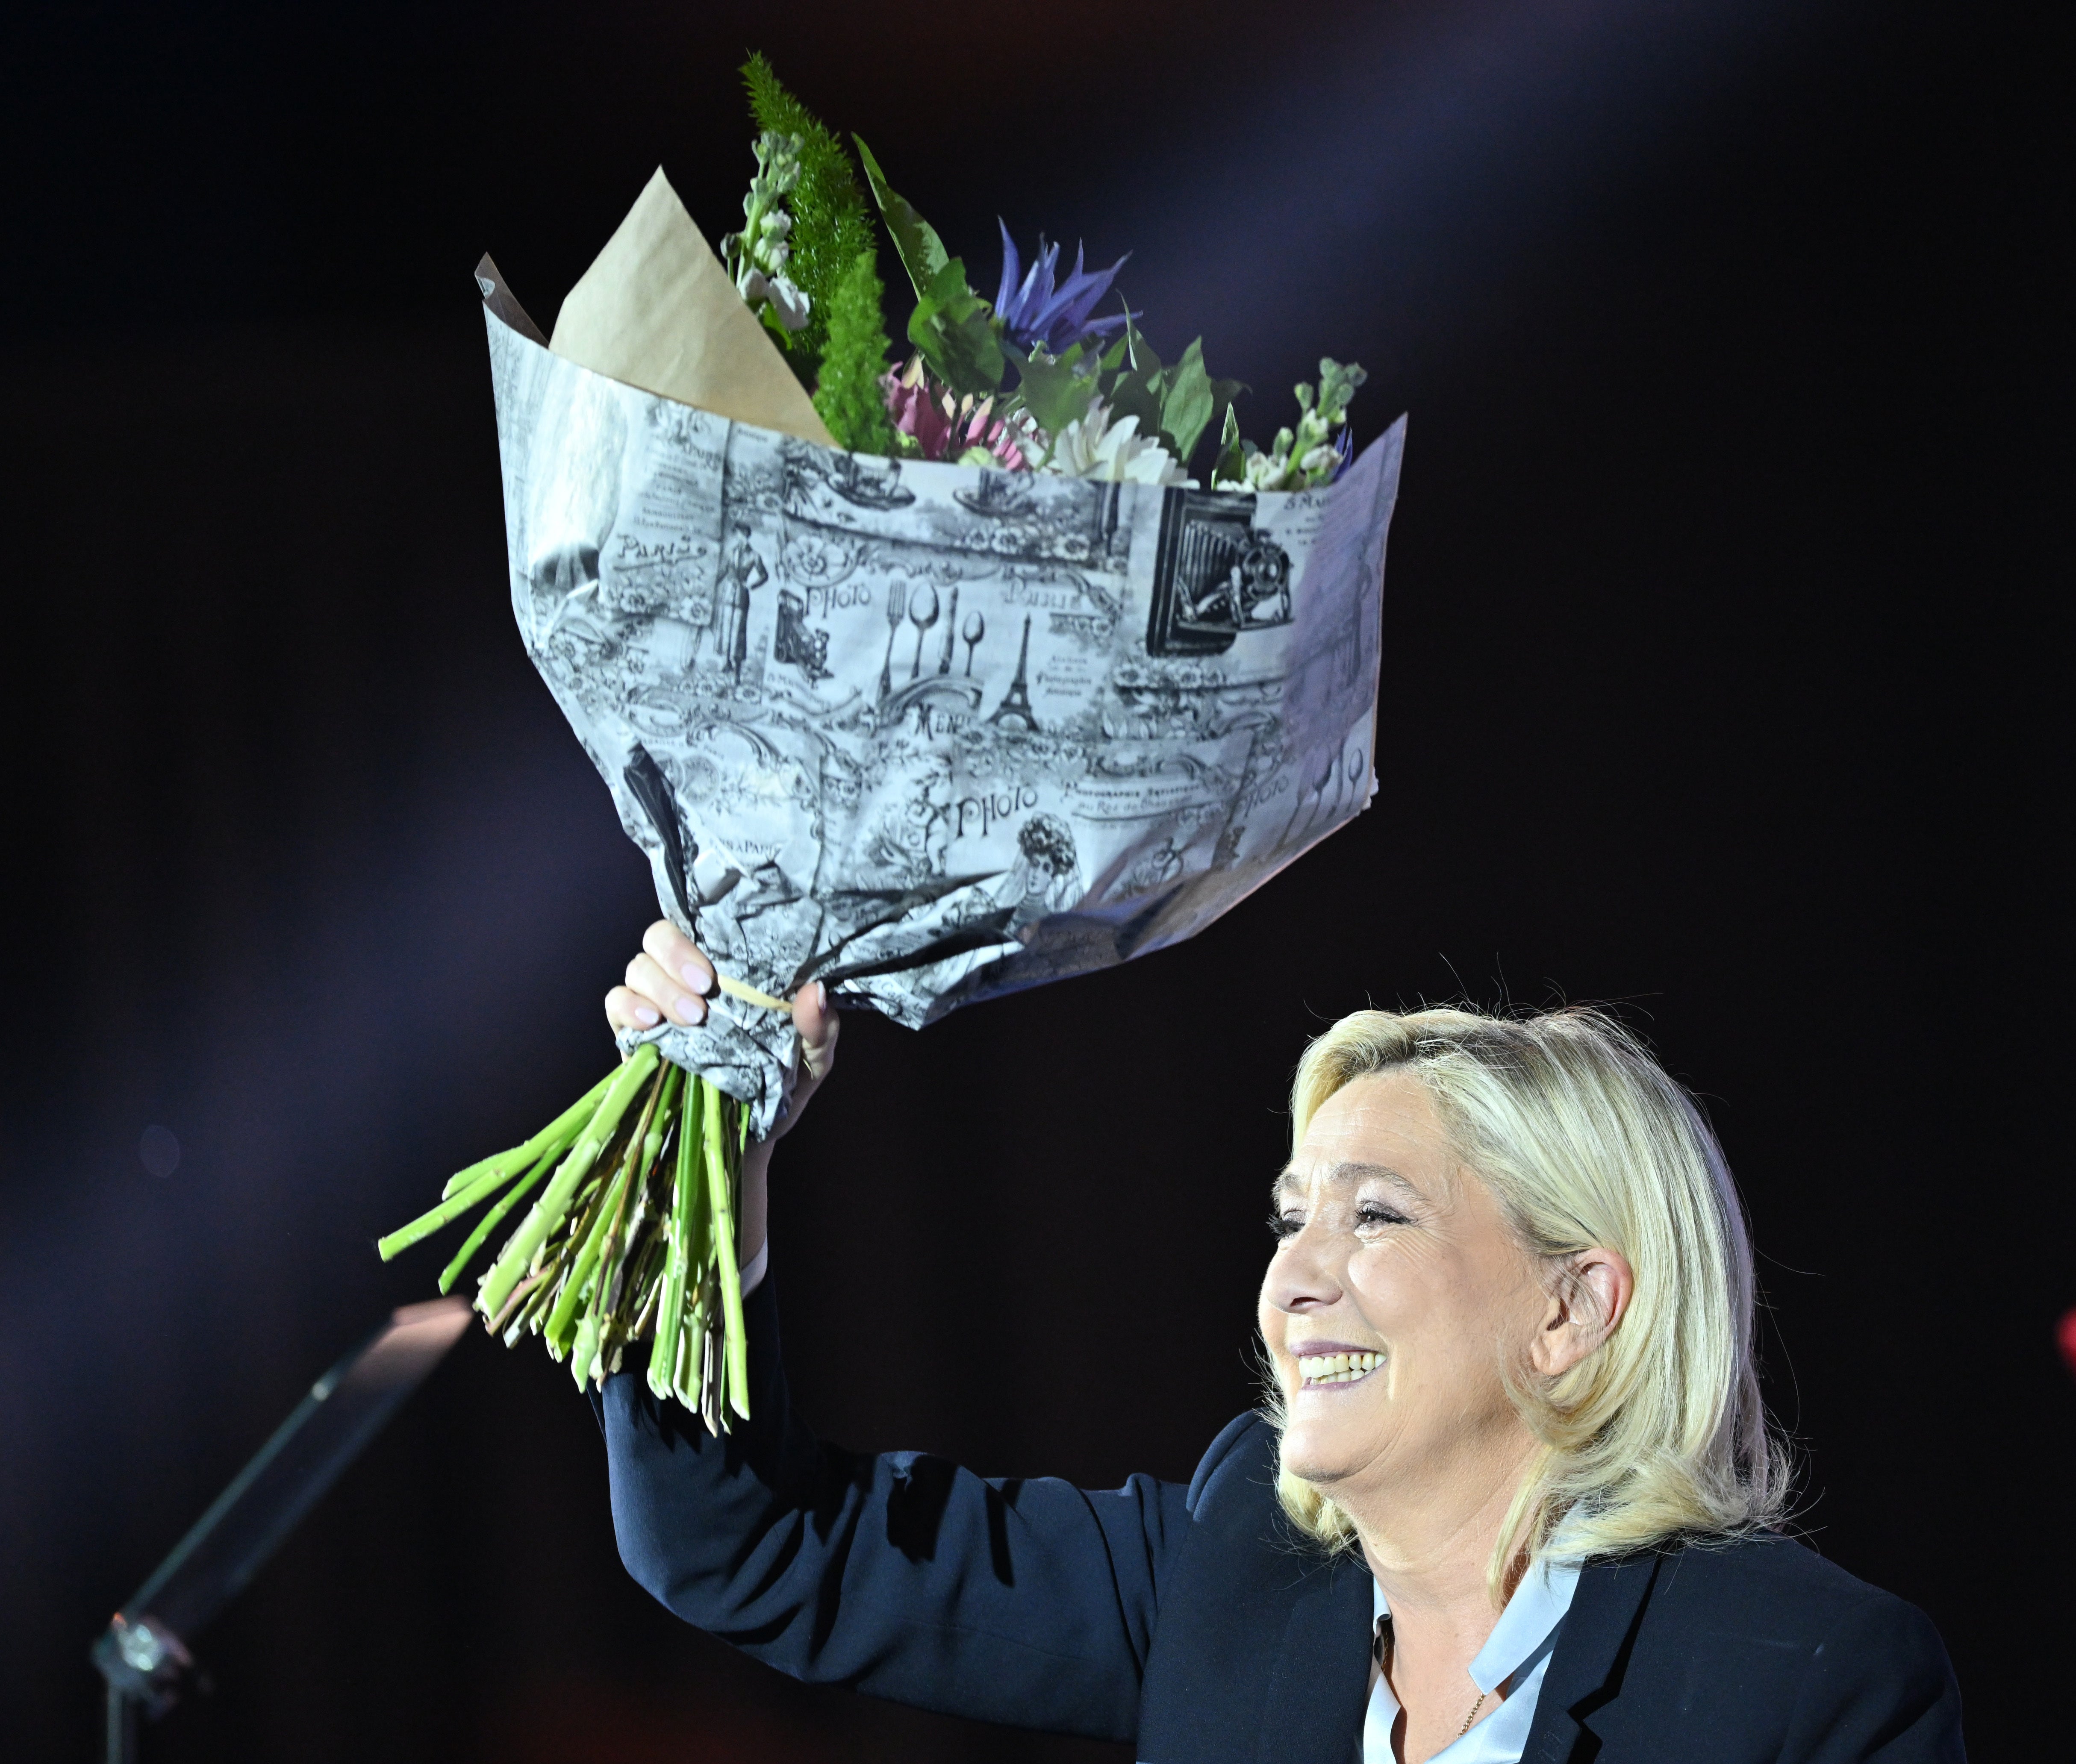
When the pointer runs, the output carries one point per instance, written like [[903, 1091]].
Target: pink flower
[[940, 428]]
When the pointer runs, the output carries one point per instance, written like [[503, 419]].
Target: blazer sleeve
[[1879, 1688], [1028, 1602]]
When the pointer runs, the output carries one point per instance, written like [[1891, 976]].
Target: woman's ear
[[1592, 1291]]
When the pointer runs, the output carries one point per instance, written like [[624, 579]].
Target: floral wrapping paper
[[927, 732]]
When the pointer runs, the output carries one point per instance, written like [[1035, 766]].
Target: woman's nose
[[1305, 1275]]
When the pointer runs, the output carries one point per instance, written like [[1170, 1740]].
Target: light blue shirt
[[1516, 1654]]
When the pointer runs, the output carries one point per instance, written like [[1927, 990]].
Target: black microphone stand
[[143, 1652]]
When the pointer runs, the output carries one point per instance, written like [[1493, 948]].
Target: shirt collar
[[1526, 1627]]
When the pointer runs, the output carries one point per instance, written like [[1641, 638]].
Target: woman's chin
[[1325, 1450]]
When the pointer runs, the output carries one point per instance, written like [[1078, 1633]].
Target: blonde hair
[[1585, 1141]]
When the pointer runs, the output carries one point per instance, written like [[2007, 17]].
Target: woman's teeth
[[1337, 1368]]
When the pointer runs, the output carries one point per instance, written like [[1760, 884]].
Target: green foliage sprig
[[831, 223], [847, 392]]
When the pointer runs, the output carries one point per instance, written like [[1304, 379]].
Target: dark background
[[1719, 681]]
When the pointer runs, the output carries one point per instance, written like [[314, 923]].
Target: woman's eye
[[1371, 1214], [1285, 1225]]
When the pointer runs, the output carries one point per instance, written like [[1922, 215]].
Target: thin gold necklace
[[1382, 1650]]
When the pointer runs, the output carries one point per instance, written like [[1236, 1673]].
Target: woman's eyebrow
[[1347, 1175]]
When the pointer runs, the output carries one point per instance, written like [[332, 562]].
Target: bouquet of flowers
[[748, 547]]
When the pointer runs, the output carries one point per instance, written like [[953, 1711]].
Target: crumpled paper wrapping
[[928, 733]]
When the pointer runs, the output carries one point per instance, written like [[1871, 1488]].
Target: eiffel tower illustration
[[1015, 705]]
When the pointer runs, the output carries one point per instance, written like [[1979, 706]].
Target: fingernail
[[692, 978], [645, 1017], [821, 997], [688, 1010]]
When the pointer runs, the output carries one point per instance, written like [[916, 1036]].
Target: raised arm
[[1027, 1602]]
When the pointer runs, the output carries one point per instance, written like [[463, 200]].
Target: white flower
[[757, 257], [788, 301], [1093, 446], [1258, 470]]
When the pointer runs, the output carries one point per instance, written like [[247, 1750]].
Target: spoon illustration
[[922, 614]]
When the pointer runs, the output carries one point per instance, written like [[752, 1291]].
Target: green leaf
[[1223, 393], [1144, 360], [1136, 391], [1053, 392], [1231, 460], [952, 325], [954, 329], [922, 252], [1187, 403], [1137, 395]]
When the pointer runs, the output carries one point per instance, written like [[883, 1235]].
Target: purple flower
[[1036, 313], [1344, 449]]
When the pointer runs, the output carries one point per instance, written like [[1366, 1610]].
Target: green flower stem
[[585, 1216], [660, 1117], [650, 1284], [703, 1395], [703, 1325], [615, 1257], [481, 1189], [585, 1351], [549, 1211], [596, 1337], [670, 1315], [648, 1297], [495, 1218], [520, 1294], [530, 1314], [588, 1254], [682, 1375], [644, 1234], [721, 1183], [563, 1129], [568, 1236], [584, 1261], [699, 1275]]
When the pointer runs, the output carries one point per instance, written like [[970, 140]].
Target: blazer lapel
[[1592, 1650], [1313, 1709]]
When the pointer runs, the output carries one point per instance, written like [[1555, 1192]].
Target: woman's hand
[[672, 979]]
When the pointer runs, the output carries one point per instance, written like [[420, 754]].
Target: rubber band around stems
[[749, 995]]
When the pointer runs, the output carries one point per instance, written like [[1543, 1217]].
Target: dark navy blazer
[[1190, 1621]]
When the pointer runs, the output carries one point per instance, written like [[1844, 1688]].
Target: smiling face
[[1395, 1297]]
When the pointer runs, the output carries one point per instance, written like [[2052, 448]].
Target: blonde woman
[[1513, 1497]]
